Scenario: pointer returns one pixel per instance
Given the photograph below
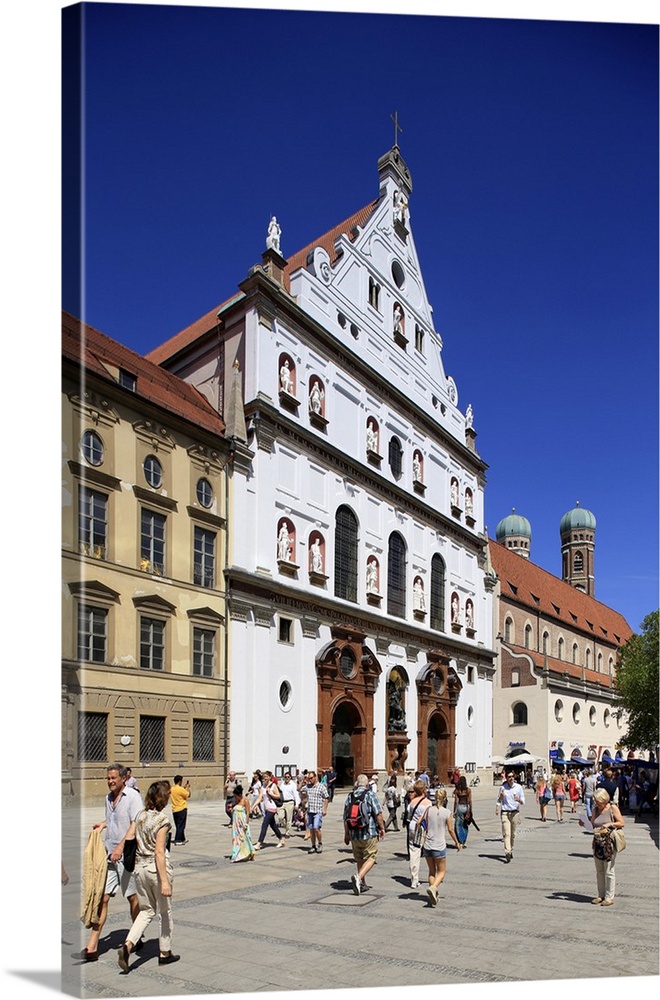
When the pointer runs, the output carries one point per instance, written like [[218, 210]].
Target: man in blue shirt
[[509, 800], [363, 838]]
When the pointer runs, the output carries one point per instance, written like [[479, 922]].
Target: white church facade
[[360, 606]]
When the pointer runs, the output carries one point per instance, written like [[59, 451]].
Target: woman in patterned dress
[[241, 841]]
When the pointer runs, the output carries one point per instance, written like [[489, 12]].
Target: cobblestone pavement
[[289, 920]]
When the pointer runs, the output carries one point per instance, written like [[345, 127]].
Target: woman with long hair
[[270, 798], [605, 818], [462, 809], [543, 795], [558, 785], [416, 806], [153, 876], [438, 823], [241, 841]]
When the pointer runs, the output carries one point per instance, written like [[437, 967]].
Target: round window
[[559, 710], [153, 471], [592, 716], [347, 662], [398, 274], [285, 693], [92, 448], [204, 492], [576, 712], [470, 715], [606, 717]]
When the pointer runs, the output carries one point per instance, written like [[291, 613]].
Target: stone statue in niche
[[372, 577], [400, 206], [469, 416], [316, 398], [469, 503], [454, 493], [469, 615], [455, 609], [284, 544], [286, 379], [396, 721], [316, 556], [398, 319], [417, 468], [372, 438], [274, 233], [419, 601]]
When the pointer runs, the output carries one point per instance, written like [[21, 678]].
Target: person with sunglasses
[[509, 800]]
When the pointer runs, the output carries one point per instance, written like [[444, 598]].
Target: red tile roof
[[556, 598], [207, 322], [84, 345]]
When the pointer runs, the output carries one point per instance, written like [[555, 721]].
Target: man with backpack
[[363, 828]]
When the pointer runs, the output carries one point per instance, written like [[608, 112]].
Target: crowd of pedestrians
[[416, 803]]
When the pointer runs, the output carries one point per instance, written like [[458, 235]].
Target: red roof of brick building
[[103, 356], [540, 591]]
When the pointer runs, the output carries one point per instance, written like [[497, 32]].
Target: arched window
[[508, 629], [587, 659], [575, 652], [437, 597], [560, 649], [346, 554], [396, 576], [578, 563], [528, 636], [395, 457], [520, 714], [546, 641], [600, 663]]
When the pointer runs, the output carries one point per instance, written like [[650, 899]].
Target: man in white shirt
[[290, 801], [509, 800], [122, 805]]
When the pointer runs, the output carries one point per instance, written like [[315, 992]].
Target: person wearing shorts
[[438, 823], [317, 807], [364, 840], [122, 805]]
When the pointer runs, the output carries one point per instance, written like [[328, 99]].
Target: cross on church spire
[[397, 127]]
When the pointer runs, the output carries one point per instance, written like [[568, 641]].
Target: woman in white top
[[153, 875], [438, 822], [415, 809]]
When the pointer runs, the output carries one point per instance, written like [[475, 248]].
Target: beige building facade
[[144, 659]]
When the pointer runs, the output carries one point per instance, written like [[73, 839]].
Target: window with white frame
[[92, 634], [152, 643], [203, 652], [152, 541], [92, 523], [204, 557]]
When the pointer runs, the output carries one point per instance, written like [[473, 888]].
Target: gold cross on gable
[[397, 127]]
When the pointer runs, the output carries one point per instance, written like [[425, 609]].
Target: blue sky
[[533, 148]]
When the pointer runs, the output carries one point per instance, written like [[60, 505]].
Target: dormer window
[[127, 380]]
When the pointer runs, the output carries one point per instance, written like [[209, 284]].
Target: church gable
[[362, 281]]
